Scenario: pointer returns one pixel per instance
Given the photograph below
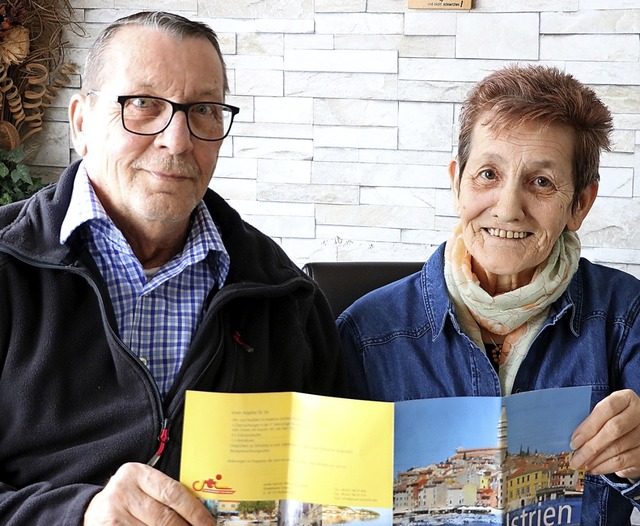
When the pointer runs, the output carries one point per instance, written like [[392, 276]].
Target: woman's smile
[[508, 234]]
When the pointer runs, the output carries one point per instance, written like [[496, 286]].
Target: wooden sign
[[440, 4]]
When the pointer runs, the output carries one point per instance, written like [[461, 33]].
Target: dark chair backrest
[[343, 282]]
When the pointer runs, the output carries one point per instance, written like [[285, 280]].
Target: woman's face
[[514, 200]]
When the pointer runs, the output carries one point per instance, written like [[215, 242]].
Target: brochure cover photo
[[479, 461], [306, 460]]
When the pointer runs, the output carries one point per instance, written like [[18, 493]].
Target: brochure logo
[[212, 486]]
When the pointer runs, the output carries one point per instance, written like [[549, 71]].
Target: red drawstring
[[238, 339]]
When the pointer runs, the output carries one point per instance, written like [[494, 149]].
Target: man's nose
[[177, 136]]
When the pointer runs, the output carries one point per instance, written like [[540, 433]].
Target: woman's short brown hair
[[515, 94]]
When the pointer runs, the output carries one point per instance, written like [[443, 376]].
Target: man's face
[[149, 181]]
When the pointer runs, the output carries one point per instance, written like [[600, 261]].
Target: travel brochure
[[292, 459]]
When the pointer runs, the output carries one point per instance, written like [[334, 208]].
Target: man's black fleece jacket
[[76, 403]]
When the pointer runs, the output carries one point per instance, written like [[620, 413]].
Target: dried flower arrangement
[[32, 70]]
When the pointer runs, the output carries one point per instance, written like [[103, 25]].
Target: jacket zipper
[[163, 438]]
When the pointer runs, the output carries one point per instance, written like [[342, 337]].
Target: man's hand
[[608, 440], [140, 495]]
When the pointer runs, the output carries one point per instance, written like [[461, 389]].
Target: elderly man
[[129, 282]]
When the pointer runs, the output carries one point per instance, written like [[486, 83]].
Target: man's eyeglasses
[[144, 115]]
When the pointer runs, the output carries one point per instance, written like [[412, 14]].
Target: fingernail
[[577, 461], [576, 442]]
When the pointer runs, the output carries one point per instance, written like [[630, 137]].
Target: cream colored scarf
[[518, 314]]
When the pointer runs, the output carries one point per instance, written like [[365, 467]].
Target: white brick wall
[[349, 112]]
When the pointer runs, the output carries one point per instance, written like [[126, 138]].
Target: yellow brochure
[[288, 446]]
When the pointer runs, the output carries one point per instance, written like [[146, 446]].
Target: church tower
[[501, 456], [502, 434]]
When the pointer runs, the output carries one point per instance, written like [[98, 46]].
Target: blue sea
[[466, 522], [374, 522], [459, 520]]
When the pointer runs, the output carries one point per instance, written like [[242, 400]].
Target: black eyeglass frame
[[175, 107]]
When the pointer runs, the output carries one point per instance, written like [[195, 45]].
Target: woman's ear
[[76, 122], [585, 202], [454, 176]]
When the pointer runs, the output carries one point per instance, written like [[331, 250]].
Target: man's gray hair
[[172, 24]]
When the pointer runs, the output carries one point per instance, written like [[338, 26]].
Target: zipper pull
[[163, 438]]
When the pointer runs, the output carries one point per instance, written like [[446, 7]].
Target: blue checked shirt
[[157, 315]]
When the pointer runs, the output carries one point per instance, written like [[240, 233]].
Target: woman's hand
[[140, 495], [608, 440]]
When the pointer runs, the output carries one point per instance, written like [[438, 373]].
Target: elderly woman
[[507, 304]]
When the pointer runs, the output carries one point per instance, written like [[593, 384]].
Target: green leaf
[[16, 182], [21, 173], [16, 176], [13, 156]]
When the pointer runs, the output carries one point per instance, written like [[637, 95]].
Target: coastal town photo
[[493, 461]]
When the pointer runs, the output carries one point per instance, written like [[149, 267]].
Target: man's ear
[[585, 202], [77, 108], [454, 176]]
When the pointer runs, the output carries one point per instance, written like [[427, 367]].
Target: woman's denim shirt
[[403, 342]]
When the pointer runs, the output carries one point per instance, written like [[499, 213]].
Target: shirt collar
[[83, 207]]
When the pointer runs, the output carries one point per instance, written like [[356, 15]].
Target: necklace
[[498, 354]]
